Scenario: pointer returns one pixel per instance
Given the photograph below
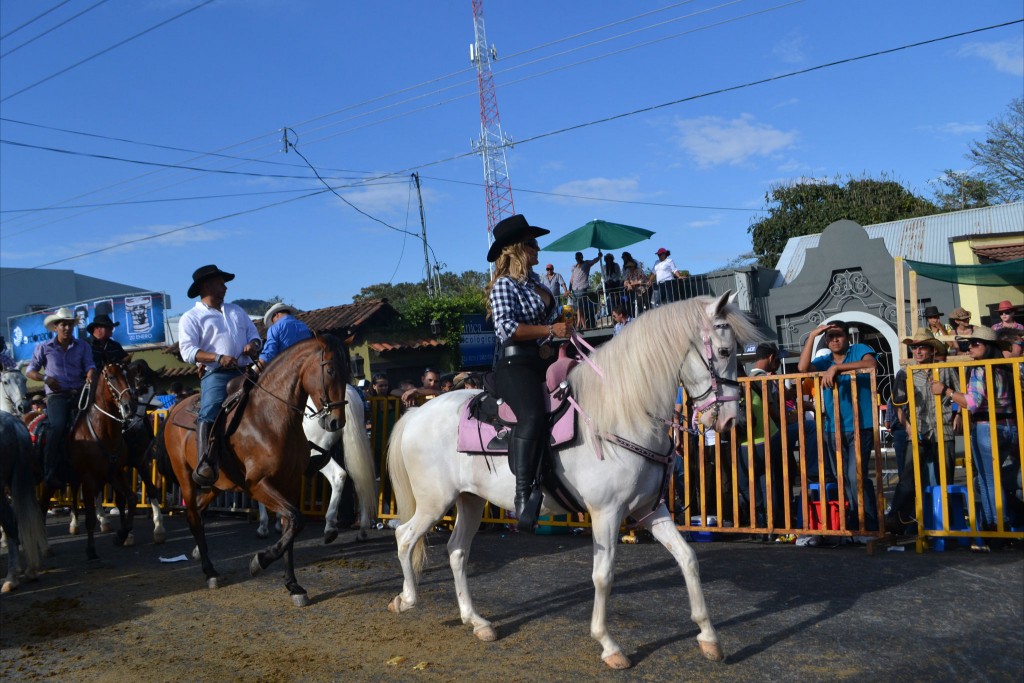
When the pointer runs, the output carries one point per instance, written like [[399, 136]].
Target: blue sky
[[378, 88]]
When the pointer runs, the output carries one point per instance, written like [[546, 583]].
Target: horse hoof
[[30, 575], [254, 566], [362, 536], [486, 633], [195, 553], [262, 532], [105, 528], [9, 586], [213, 582], [617, 661], [73, 530], [129, 540], [300, 599], [712, 651], [330, 536], [396, 605], [159, 537]]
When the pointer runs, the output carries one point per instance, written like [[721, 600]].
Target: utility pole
[[492, 142], [423, 233]]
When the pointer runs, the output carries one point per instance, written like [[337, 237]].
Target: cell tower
[[492, 142]]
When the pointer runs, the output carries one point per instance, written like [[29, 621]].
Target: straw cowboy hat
[[960, 313], [985, 334], [204, 273], [62, 313], [1005, 305], [268, 317], [101, 320], [924, 337], [512, 230]]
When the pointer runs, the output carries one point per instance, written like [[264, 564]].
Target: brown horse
[[98, 454], [267, 454]]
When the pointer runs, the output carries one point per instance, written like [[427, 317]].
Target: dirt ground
[[783, 613]]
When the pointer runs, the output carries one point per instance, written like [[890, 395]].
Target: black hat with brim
[[512, 230], [101, 320], [204, 273]]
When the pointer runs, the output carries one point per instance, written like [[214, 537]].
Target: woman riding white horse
[[616, 468]]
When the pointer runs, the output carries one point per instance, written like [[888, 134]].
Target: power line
[[33, 19], [106, 50], [140, 162], [53, 28]]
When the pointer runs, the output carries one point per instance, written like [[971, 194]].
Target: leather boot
[[205, 474], [524, 455], [52, 463]]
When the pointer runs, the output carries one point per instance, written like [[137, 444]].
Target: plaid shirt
[[1002, 385], [924, 401], [515, 302]]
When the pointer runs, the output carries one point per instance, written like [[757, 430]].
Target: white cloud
[[626, 189], [957, 128], [790, 50], [707, 223], [387, 198], [712, 140], [1006, 56]]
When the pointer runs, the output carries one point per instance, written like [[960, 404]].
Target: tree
[[807, 208], [399, 295], [958, 190], [1001, 155], [257, 306]]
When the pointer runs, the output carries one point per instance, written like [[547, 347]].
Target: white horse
[[358, 459], [615, 468], [14, 391]]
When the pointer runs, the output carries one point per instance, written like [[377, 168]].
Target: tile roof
[[384, 347], [341, 319], [1001, 252]]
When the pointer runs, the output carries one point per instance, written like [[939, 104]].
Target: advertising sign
[[478, 340], [140, 319]]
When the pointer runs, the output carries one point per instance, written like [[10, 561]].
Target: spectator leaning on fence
[[986, 454], [843, 357], [923, 422]]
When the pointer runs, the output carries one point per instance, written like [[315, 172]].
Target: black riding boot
[[525, 457], [205, 474], [52, 461]]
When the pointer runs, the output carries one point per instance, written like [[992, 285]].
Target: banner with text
[[139, 321], [478, 340]]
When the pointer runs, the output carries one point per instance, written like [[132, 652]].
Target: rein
[[326, 405]]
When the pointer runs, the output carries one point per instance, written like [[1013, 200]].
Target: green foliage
[[807, 208], [957, 190], [446, 309], [401, 294], [257, 306], [1000, 156]]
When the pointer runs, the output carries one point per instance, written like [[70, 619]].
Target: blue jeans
[[214, 389], [850, 474], [982, 459], [760, 482], [810, 456]]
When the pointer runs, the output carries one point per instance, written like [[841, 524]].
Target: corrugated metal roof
[[918, 239]]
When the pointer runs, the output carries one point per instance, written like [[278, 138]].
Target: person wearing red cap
[[1006, 321], [663, 274]]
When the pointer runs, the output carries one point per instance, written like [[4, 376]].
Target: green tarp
[[984, 275]]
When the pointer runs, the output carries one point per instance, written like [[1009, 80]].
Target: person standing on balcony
[[664, 273], [554, 282]]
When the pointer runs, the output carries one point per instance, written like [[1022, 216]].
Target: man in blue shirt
[[841, 358], [65, 365], [283, 330]]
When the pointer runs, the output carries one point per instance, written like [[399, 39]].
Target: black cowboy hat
[[204, 273], [101, 320], [512, 230], [931, 312]]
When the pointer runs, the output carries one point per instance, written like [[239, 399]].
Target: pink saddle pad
[[478, 437]]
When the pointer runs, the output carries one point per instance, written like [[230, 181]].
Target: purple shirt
[[67, 367]]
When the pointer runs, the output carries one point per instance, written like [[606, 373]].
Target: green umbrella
[[599, 234]]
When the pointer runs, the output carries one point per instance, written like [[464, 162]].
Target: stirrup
[[528, 515], [205, 482]]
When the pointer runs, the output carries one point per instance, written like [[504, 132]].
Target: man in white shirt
[[221, 339]]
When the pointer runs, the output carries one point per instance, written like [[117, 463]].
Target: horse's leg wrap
[[524, 455]]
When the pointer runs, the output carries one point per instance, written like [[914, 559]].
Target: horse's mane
[[329, 341], [641, 365]]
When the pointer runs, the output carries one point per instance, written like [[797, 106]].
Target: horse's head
[[325, 376], [709, 368], [142, 379], [115, 390], [14, 392]]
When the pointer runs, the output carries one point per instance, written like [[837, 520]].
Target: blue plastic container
[[932, 504]]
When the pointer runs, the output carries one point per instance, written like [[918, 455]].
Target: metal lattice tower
[[492, 142]]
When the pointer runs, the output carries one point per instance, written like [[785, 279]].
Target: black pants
[[519, 381], [58, 413]]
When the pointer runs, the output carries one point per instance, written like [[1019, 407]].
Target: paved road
[[783, 613]]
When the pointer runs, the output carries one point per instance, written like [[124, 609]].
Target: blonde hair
[[513, 262]]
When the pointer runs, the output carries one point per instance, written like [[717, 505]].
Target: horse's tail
[[157, 451], [402, 488], [359, 458], [31, 527]]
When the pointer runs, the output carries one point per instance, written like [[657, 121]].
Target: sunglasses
[[965, 344], [532, 243]]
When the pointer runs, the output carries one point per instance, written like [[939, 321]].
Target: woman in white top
[[663, 274]]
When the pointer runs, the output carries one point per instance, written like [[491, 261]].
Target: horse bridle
[[716, 384], [326, 404], [126, 414]]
